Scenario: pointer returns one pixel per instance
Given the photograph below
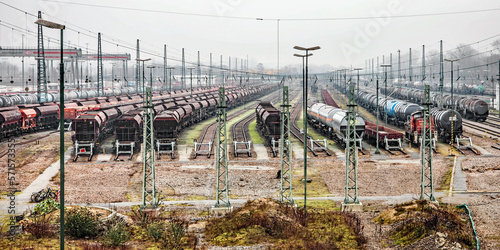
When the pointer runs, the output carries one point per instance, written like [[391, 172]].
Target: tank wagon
[[332, 122]]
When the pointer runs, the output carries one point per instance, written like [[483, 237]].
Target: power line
[[281, 19]]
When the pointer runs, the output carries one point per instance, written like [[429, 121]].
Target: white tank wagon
[[333, 122]]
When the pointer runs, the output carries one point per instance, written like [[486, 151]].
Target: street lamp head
[[311, 48], [385, 65], [190, 68], [151, 67], [259, 19], [452, 60], [50, 24], [357, 69], [143, 60]]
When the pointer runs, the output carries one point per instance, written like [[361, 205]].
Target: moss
[[316, 188], [267, 221], [322, 205], [254, 135], [444, 185]]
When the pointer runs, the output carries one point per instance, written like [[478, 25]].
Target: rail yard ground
[[188, 186]]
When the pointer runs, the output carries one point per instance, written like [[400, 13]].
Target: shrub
[[40, 227], [47, 206], [174, 233], [81, 222], [116, 235], [155, 231]]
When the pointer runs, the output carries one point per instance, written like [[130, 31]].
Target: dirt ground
[[31, 159], [383, 178]]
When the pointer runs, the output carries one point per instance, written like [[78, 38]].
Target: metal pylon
[[138, 69], [286, 151], [148, 186], [100, 79], [351, 165], [42, 74], [426, 185], [222, 192]]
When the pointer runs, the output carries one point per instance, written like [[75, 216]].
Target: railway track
[[467, 151], [23, 142], [480, 128], [295, 131], [210, 131], [492, 118], [241, 136]]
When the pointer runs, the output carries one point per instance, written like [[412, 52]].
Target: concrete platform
[[220, 211], [184, 152], [104, 157], [261, 152], [298, 151], [352, 207]]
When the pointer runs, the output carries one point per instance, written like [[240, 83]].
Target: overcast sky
[[343, 42]]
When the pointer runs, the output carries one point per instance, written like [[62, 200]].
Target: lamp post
[[52, 25], [304, 109], [357, 88], [191, 76], [452, 101], [142, 60], [377, 151], [385, 86]]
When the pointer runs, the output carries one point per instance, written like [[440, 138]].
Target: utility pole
[[410, 69], [452, 100], [426, 184], [385, 66], [286, 196], [441, 74], [164, 67], [210, 72], [199, 70], [149, 196], [399, 67], [351, 202], [423, 63], [222, 192], [377, 151], [137, 69], [357, 88], [183, 70], [100, 77], [498, 91]]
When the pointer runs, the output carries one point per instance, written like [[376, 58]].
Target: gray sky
[[343, 42]]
